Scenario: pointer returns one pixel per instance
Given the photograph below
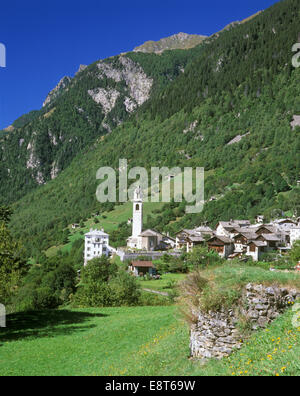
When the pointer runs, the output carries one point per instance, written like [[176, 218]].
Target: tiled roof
[[143, 264]]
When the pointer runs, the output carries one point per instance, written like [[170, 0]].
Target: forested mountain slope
[[77, 112], [230, 112]]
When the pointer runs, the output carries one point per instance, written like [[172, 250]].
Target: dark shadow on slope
[[49, 323]]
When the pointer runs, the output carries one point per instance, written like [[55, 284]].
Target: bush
[[124, 289], [12, 263], [295, 252], [152, 300], [202, 257], [46, 286], [103, 284], [191, 290], [172, 264]]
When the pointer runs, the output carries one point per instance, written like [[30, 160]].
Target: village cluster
[[238, 238], [231, 239]]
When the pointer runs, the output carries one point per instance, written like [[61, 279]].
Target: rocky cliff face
[[132, 88], [177, 41], [138, 84], [61, 86], [78, 110]]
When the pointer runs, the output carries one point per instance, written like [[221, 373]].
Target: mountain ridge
[[176, 41]]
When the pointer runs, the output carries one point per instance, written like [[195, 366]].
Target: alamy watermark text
[[2, 316], [2, 55], [187, 183]]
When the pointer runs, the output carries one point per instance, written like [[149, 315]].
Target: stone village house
[[222, 245]]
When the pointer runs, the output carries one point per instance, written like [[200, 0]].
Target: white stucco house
[[96, 245], [295, 235], [255, 249]]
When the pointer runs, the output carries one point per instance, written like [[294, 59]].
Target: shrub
[[104, 284], [12, 263], [295, 252], [221, 287], [124, 289], [152, 300], [191, 290], [46, 286], [202, 257]]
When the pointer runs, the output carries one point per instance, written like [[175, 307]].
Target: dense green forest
[[238, 83]]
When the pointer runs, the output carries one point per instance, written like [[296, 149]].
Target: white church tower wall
[[135, 241], [137, 222]]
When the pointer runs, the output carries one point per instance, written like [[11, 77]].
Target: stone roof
[[196, 239], [235, 223], [204, 229], [150, 233], [247, 235], [257, 243], [189, 232], [268, 227], [223, 239], [280, 221], [271, 237], [246, 230]]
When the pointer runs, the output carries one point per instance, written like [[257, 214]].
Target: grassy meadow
[[149, 340], [138, 341], [165, 284]]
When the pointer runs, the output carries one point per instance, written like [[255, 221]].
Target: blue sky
[[46, 40]]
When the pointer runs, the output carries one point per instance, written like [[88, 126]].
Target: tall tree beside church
[[12, 264]]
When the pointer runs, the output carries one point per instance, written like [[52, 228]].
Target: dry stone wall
[[217, 334]]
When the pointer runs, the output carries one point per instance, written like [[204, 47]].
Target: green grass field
[[163, 284], [138, 341]]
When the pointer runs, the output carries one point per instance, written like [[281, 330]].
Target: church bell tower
[[137, 223]]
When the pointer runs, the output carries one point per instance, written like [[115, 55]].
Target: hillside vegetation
[[229, 112]]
